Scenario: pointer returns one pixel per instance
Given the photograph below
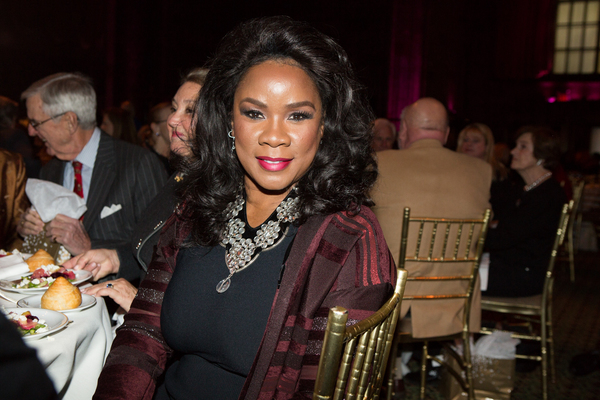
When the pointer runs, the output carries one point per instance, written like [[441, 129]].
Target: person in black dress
[[527, 210]]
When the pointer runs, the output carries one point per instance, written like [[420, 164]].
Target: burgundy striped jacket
[[335, 260]]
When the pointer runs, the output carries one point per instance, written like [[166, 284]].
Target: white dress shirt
[[87, 157]]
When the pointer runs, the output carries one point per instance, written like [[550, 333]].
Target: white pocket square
[[106, 211]]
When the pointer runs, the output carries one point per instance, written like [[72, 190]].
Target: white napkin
[[499, 345], [50, 199], [12, 265]]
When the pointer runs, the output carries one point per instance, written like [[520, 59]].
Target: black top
[[164, 160], [216, 336], [147, 231], [521, 243]]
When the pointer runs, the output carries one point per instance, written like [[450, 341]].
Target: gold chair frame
[[353, 358], [539, 307], [461, 252], [574, 218]]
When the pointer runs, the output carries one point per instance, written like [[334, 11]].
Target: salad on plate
[[44, 277], [27, 324]]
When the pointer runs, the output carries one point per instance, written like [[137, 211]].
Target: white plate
[[87, 301], [6, 284], [55, 320]]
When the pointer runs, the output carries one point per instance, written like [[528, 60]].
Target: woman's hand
[[100, 262], [120, 290]]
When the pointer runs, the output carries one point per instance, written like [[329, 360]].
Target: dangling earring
[[539, 162], [230, 135]]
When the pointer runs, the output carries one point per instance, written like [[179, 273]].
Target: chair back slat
[[432, 242], [345, 366], [457, 241], [353, 358], [419, 237], [470, 240], [355, 371]]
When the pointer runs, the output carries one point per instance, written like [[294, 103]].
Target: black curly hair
[[343, 170]]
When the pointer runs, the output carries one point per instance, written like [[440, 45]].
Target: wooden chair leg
[[424, 358]]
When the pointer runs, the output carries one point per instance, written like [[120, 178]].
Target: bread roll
[[62, 295], [39, 259]]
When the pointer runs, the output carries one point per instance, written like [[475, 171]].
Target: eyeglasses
[[34, 124]]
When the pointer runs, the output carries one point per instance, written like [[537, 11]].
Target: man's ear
[[402, 132], [446, 134], [72, 121]]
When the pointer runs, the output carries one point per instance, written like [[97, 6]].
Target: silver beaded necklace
[[241, 252], [541, 179]]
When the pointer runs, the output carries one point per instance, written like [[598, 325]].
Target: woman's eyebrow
[[257, 103], [302, 104]]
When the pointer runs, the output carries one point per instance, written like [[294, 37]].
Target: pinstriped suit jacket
[[124, 174]]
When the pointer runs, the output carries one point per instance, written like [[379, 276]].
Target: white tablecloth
[[74, 357]]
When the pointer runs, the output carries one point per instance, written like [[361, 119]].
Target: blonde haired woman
[[477, 140]]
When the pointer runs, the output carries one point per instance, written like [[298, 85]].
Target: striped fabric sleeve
[[139, 353], [363, 284]]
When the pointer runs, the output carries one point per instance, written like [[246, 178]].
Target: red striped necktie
[[78, 188]]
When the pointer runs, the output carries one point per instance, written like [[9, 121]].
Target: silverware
[[8, 298]]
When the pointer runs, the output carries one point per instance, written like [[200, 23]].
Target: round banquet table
[[74, 356]]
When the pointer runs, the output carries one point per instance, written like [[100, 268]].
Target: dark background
[[488, 61], [138, 50]]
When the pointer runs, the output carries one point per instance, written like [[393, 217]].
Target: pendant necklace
[[242, 251]]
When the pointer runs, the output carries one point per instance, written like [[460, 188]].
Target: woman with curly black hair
[[273, 229]]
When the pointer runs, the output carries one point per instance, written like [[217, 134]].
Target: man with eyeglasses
[[116, 179]]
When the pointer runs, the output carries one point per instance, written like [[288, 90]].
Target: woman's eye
[[189, 111], [300, 116], [252, 114], [173, 109]]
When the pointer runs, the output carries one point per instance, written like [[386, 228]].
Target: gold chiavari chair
[[445, 242], [353, 358], [537, 309]]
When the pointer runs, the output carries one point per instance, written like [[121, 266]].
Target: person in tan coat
[[434, 182], [13, 201]]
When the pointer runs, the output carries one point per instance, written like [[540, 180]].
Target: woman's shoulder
[[359, 228], [362, 218], [554, 191]]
